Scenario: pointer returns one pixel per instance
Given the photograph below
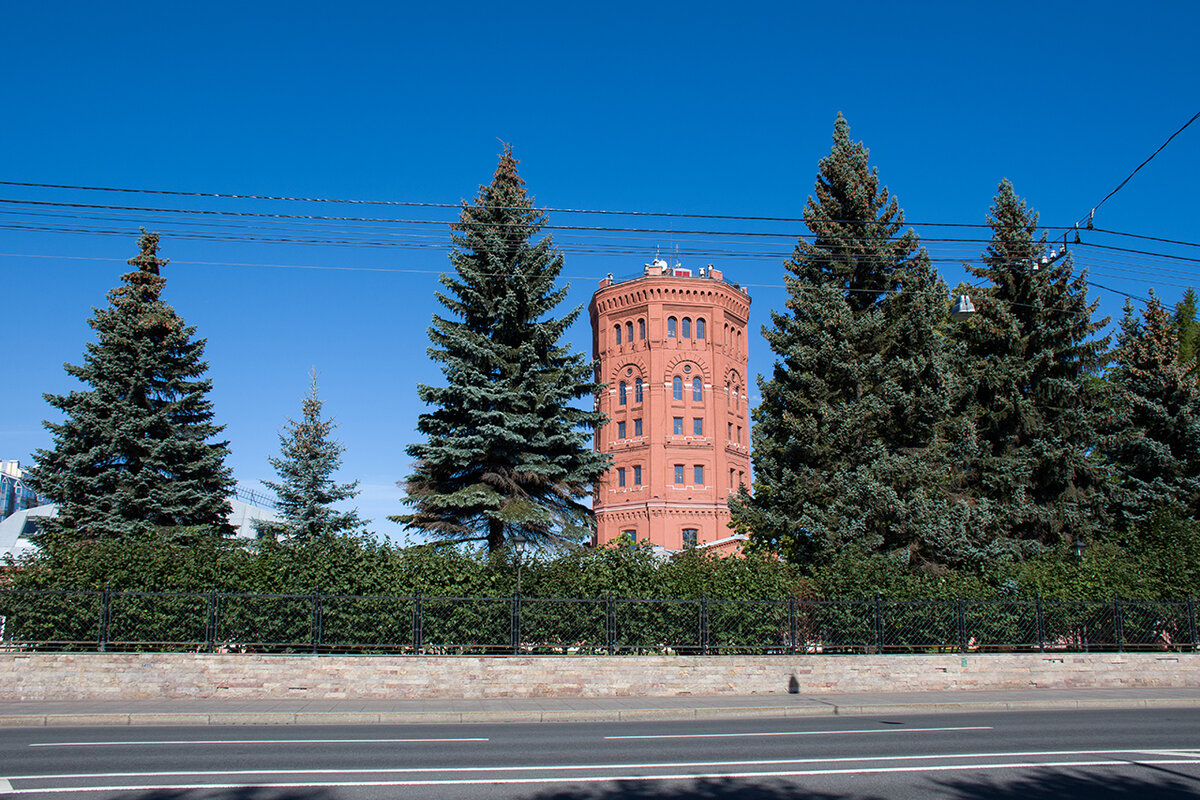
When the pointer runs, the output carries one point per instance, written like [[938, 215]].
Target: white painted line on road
[[1172, 753], [795, 733], [259, 741], [5, 786], [578, 767], [609, 778]]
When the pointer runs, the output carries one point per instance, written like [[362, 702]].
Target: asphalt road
[[1008, 756]]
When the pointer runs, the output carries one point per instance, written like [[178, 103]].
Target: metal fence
[[221, 622]]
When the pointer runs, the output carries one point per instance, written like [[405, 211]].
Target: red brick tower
[[672, 348]]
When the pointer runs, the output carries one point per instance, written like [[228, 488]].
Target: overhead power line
[[415, 234], [455, 206], [1091, 215], [434, 272]]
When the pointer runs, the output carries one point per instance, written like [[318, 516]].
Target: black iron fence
[[221, 622]]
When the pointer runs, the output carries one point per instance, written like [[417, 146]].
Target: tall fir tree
[[1187, 329], [306, 490], [849, 439], [134, 451], [1153, 437], [1037, 402], [506, 451]]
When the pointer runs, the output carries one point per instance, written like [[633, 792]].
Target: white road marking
[[609, 778], [1172, 753], [256, 741], [795, 733], [579, 767], [5, 786]]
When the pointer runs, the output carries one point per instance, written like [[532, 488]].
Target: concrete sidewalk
[[608, 709]]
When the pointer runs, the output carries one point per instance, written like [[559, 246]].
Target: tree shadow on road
[[698, 789], [1154, 783], [1157, 782]]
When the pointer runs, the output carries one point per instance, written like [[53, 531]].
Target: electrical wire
[[556, 210], [456, 206], [1091, 215]]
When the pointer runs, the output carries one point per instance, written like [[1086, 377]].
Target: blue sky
[[686, 108]]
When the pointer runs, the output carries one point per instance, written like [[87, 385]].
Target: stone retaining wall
[[117, 676]]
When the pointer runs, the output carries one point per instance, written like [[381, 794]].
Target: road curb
[[649, 714]]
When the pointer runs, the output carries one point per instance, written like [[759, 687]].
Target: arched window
[[677, 388], [686, 333], [697, 390], [617, 333], [637, 390], [700, 328], [621, 393], [641, 329], [671, 322], [629, 332]]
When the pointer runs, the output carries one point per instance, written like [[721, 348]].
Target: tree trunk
[[495, 539]]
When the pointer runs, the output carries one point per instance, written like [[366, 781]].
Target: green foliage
[[132, 453], [265, 596], [1187, 329], [1153, 434], [1031, 358], [851, 444], [307, 491], [1157, 560], [506, 451], [144, 562]]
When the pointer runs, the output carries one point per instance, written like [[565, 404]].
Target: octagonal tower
[[672, 348]]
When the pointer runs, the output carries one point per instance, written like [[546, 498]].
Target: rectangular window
[[620, 476], [732, 474], [698, 475], [689, 537], [637, 427], [679, 474], [637, 475], [631, 534], [620, 430], [730, 436], [739, 439], [697, 426], [678, 429]]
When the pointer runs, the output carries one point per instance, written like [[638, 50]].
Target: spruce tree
[[1187, 328], [506, 451], [306, 490], [1037, 403], [1154, 436], [134, 451], [849, 439]]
